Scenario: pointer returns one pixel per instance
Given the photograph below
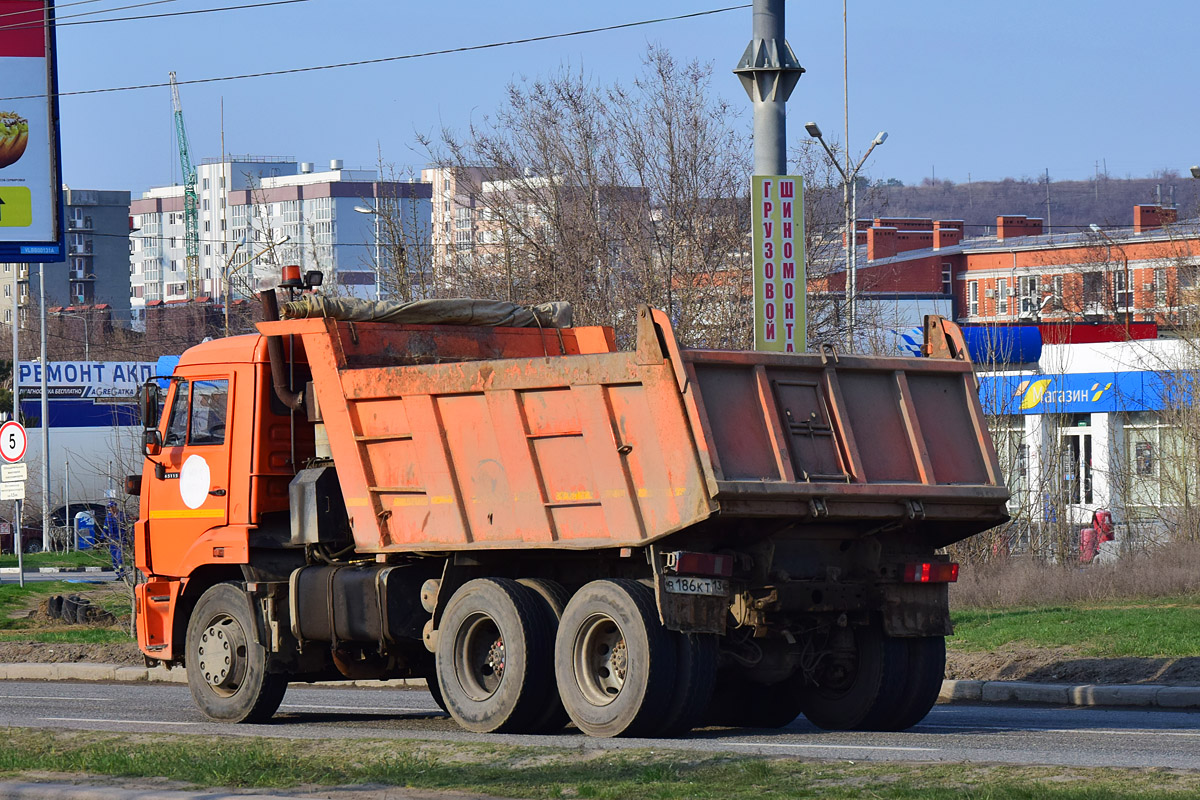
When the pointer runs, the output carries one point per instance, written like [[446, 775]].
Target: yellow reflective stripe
[[199, 513]]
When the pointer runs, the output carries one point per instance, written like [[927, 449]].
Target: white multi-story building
[[259, 213]]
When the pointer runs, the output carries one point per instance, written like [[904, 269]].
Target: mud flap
[[916, 610]]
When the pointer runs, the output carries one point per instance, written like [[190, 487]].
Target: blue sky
[[989, 90]]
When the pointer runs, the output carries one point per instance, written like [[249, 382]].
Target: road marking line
[[836, 747], [124, 721], [1109, 732], [41, 697], [1098, 731], [363, 709]]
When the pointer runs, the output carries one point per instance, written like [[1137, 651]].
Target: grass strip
[[1162, 628], [527, 772], [14, 597], [76, 558], [71, 636]]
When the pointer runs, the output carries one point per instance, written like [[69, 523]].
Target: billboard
[[1084, 392], [777, 222], [30, 172], [97, 381]]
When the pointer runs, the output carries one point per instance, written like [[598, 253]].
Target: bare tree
[[607, 197]]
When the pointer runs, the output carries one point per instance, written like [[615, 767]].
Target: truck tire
[[926, 669], [495, 657], [741, 703], [227, 668], [435, 691], [861, 692], [695, 677], [554, 601], [614, 661]]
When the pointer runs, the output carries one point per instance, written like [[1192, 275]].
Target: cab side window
[[177, 425], [210, 401]]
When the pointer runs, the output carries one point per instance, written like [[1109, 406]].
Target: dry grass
[[1171, 570]]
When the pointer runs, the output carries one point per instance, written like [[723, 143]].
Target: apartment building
[[257, 213], [485, 218], [96, 272]]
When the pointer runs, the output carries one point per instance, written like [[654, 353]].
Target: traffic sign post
[[14, 441]]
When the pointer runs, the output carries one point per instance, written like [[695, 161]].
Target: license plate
[[677, 584]]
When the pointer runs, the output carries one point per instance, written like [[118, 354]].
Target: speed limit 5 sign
[[13, 441]]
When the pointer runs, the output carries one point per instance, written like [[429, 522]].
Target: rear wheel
[[494, 657], [614, 661], [554, 599], [226, 666], [926, 668], [860, 684], [695, 677], [740, 703]]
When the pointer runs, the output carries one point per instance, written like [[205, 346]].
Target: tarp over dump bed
[[452, 311]]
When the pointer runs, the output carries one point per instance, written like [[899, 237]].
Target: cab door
[[189, 487]]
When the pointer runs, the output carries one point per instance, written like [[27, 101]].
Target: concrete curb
[[1064, 694], [50, 570], [953, 691], [83, 671]]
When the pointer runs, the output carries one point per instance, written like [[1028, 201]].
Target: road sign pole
[[45, 416], [14, 441], [16, 411]]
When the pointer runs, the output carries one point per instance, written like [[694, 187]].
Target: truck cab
[[220, 456]]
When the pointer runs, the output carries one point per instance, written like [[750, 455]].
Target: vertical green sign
[[779, 279]]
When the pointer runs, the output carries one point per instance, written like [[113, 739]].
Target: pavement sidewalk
[[50, 570], [953, 691]]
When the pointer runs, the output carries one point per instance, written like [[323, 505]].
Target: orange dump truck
[[550, 530]]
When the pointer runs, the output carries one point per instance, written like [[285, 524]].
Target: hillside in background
[[1073, 204]]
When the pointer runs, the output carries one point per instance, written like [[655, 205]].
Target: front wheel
[[226, 665]]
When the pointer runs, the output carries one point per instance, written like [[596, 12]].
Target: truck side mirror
[[151, 442], [148, 405]]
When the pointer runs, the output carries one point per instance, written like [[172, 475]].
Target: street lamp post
[[850, 200], [375, 213], [1125, 269]]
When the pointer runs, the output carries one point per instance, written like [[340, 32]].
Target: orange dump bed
[[561, 442]]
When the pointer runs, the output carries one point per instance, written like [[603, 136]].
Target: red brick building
[[1144, 273]]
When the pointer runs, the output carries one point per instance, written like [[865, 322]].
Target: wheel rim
[[221, 655], [480, 656], [601, 659]]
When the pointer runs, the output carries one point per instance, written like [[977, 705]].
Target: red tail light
[[935, 572], [683, 562]]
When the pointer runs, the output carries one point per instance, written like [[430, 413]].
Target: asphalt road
[[955, 733]]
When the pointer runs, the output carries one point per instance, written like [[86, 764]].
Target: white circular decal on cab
[[194, 481]]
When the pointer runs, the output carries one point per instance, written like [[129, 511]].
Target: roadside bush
[[1170, 570]]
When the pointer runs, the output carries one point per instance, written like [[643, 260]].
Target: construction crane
[[191, 214]]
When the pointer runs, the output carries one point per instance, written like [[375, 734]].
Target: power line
[[41, 11], [25, 26], [389, 59]]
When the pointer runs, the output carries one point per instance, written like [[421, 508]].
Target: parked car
[[31, 538]]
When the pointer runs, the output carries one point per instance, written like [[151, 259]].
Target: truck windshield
[[177, 427]]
